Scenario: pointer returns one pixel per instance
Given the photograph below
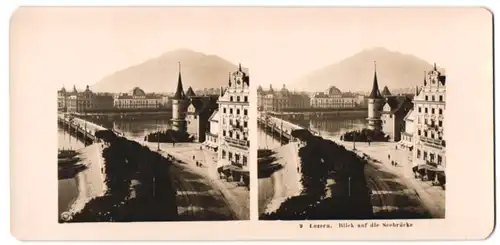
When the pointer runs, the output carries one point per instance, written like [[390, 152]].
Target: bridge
[[279, 128], [83, 130]]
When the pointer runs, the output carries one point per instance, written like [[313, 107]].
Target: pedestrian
[[389, 156], [193, 157]]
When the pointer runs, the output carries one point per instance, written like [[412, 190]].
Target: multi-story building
[[137, 99], [430, 105], [393, 114], [212, 134], [233, 122], [62, 99], [281, 100], [197, 117], [80, 102], [406, 141], [332, 98]]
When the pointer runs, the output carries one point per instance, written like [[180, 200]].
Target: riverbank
[[282, 183], [75, 192]]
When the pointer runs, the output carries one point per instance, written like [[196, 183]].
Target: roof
[[399, 104], [334, 91], [179, 93], [410, 116], [386, 92], [375, 94], [190, 92], [204, 104], [215, 116]]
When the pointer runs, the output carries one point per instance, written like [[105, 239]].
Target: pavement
[[226, 198], [432, 198]]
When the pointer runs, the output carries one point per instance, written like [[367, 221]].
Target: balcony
[[435, 143], [237, 142]]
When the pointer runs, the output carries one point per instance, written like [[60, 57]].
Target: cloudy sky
[[79, 46]]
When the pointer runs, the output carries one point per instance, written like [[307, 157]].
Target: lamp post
[[349, 187]]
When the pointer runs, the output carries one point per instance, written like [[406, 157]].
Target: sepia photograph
[[165, 139], [361, 138], [367, 123]]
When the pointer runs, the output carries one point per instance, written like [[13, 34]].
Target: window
[[425, 155], [224, 109], [238, 98], [440, 111], [237, 111], [245, 124], [419, 132], [237, 157], [390, 116], [440, 159], [432, 135], [223, 133], [426, 110], [433, 98], [246, 98], [441, 98], [245, 160], [231, 111], [230, 156], [432, 157], [426, 98], [432, 111], [231, 98], [223, 154], [245, 112], [230, 134], [425, 121], [237, 136], [440, 123], [418, 153]]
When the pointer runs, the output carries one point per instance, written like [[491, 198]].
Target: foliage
[[365, 135], [125, 161], [322, 159], [169, 136]]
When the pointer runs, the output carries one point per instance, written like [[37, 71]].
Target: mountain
[[394, 70], [160, 74]]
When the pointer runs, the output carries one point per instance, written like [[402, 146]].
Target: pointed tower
[[190, 93], [179, 102], [375, 103]]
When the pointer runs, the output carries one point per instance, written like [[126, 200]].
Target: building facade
[[332, 98], [430, 105], [212, 134], [281, 100], [233, 122], [80, 102], [137, 99], [393, 115], [375, 103], [406, 141], [199, 110]]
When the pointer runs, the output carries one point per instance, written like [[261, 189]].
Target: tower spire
[[229, 79], [435, 66], [239, 66], [425, 79], [375, 94], [179, 93]]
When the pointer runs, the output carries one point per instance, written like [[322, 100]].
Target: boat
[[67, 160], [66, 154]]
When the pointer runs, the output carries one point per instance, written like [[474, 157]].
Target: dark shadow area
[[70, 171], [126, 161]]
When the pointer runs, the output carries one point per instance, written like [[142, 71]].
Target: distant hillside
[[160, 74], [394, 70]]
